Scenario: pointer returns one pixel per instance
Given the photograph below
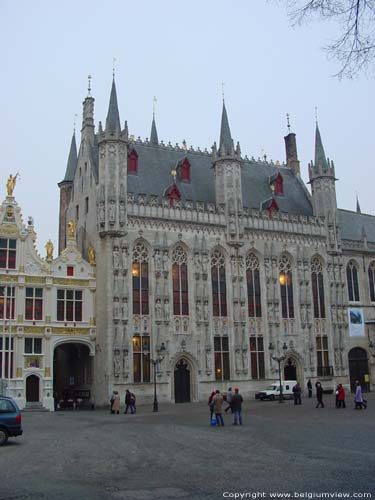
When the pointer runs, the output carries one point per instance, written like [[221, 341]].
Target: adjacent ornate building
[[47, 318], [214, 263]]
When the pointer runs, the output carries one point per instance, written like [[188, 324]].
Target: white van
[[272, 392]]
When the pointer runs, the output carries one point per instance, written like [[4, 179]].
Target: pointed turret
[[72, 161], [358, 208], [226, 145], [320, 157], [154, 135], [112, 123]]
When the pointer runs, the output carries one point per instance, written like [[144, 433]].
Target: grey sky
[[180, 52]]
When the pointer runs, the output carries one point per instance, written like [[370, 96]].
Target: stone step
[[34, 407]]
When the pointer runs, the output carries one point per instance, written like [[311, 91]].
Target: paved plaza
[[175, 454]]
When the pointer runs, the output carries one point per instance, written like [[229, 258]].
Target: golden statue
[[71, 229], [49, 250], [91, 252], [11, 182]]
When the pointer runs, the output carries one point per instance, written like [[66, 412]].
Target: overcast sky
[[180, 52]]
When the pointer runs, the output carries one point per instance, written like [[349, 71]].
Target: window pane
[[60, 294], [218, 367], [28, 346], [69, 294], [60, 310], [225, 343], [137, 367], [37, 346], [226, 371]]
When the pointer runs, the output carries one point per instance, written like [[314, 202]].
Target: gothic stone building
[[215, 264], [47, 322]]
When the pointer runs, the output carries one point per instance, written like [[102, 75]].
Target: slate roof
[[154, 176], [72, 161], [353, 223]]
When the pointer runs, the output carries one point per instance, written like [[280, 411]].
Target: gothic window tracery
[[180, 282], [253, 286], [317, 288], [286, 287], [219, 291], [140, 279], [352, 280], [371, 280]]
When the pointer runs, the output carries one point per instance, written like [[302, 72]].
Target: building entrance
[[32, 389], [290, 370], [358, 368], [182, 382], [72, 374]]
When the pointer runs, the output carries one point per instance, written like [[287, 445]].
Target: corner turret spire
[[154, 134], [320, 157], [72, 161], [226, 146], [112, 123], [358, 208]]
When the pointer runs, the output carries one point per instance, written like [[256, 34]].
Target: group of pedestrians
[[340, 395], [115, 402], [215, 403]]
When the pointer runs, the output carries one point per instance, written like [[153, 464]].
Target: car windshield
[[272, 388]]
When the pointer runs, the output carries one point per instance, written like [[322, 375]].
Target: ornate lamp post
[[279, 359], [155, 362]]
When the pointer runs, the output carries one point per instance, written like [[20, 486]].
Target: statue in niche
[[236, 310], [197, 263], [208, 360], [125, 361], [125, 308], [157, 260], [337, 356], [112, 211], [243, 311], [166, 310], [244, 359], [116, 258], [232, 225], [157, 287], [116, 363], [205, 311], [124, 257], [122, 212], [199, 310], [102, 212], [205, 263], [116, 308], [205, 293], [158, 309], [238, 360], [165, 261], [116, 284]]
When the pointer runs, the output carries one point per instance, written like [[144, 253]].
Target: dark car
[[10, 419]]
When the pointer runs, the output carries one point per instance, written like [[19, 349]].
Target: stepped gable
[[353, 223], [154, 173]]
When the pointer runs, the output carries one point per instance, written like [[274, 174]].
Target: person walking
[[133, 400], [237, 401], [128, 402], [341, 397], [337, 396], [116, 403], [218, 405], [309, 388], [319, 395], [359, 401], [229, 400], [297, 394], [211, 404], [111, 401]]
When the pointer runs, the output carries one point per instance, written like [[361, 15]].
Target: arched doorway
[[72, 372], [358, 368], [182, 382], [32, 389], [290, 369]]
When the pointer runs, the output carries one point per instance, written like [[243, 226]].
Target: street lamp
[[155, 362], [279, 359]]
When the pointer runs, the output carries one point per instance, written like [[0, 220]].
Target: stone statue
[[91, 252], [116, 309], [122, 212], [125, 308], [71, 230], [11, 183], [157, 260], [238, 360], [199, 311], [166, 310], [158, 309], [205, 311], [245, 359], [116, 363], [208, 360], [243, 312], [197, 263], [165, 261], [101, 212], [116, 258], [112, 211], [205, 263], [49, 250], [232, 224], [124, 257]]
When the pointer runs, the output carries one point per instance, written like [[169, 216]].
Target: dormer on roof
[[276, 184], [183, 170], [270, 205], [133, 161], [173, 193]]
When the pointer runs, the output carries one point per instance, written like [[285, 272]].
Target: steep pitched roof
[[226, 146], [154, 135], [72, 161], [113, 116], [320, 156], [353, 224]]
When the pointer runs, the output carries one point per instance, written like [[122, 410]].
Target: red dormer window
[[279, 184], [133, 162], [174, 194], [185, 171], [70, 270], [273, 207]]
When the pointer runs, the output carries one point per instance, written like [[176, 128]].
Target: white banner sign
[[356, 322]]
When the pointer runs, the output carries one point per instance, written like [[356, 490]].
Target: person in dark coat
[[128, 402], [297, 394], [319, 395], [309, 388], [237, 401], [337, 396], [211, 404]]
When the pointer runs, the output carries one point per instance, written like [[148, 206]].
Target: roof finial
[[154, 101], [174, 174], [89, 86], [288, 122], [316, 115], [222, 90], [114, 67], [74, 123]]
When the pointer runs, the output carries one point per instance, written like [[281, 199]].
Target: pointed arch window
[[140, 279], [371, 280], [286, 287], [352, 279], [133, 161], [253, 286], [317, 288], [219, 286], [180, 282]]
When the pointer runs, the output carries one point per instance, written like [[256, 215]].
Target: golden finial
[[174, 174], [91, 252], [49, 249], [184, 145], [11, 183], [71, 230], [89, 86], [132, 138]]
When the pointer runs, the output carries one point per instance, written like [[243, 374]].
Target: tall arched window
[[371, 280], [219, 287], [352, 279], [180, 282], [286, 287], [253, 286], [140, 279], [317, 288]]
